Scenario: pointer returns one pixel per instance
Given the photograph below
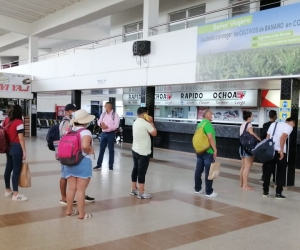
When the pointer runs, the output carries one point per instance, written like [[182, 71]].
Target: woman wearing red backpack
[[14, 129], [79, 176]]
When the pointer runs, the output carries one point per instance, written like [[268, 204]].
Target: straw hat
[[83, 117]]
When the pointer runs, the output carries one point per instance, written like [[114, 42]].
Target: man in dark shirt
[[273, 118]]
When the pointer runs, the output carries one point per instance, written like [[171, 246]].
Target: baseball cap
[[70, 107]]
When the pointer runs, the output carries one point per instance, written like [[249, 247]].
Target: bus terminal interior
[[178, 58]]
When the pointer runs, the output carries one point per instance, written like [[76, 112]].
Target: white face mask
[[72, 115]]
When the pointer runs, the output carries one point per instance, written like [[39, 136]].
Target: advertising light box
[[262, 44], [241, 98]]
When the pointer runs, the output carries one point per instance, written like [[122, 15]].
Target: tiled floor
[[174, 219]]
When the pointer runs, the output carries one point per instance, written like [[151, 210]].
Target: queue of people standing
[[75, 178], [276, 167]]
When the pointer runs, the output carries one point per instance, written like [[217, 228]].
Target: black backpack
[[53, 135], [248, 141], [265, 151]]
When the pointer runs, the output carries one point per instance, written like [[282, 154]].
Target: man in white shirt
[[282, 132], [142, 128]]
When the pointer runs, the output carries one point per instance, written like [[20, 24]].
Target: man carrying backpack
[[280, 160], [64, 127], [109, 122], [266, 126], [205, 159]]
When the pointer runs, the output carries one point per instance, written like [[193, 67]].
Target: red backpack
[[4, 141], [69, 148]]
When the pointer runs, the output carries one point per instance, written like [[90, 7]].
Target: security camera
[[27, 81]]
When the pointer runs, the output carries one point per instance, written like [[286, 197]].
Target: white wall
[[287, 2], [47, 103], [22, 53], [118, 21], [121, 19], [114, 66]]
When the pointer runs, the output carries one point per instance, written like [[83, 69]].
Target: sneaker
[[261, 180], [144, 196], [19, 197], [97, 168], [89, 199], [265, 195], [212, 195], [134, 192], [200, 192], [65, 202], [8, 194], [279, 197], [111, 168]]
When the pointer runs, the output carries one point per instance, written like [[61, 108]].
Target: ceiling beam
[[79, 13], [14, 25]]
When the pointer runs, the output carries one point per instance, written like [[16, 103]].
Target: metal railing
[[154, 30]]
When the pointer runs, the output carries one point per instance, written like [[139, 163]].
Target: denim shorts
[[243, 153], [83, 170]]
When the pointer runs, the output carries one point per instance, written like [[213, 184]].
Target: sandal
[[74, 212], [86, 216]]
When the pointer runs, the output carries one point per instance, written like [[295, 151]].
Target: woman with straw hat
[[79, 176]]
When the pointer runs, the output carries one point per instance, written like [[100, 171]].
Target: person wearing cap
[[64, 127], [79, 176]]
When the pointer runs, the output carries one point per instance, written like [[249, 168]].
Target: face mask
[[73, 115]]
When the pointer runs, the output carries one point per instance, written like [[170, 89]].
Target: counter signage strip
[[240, 98]]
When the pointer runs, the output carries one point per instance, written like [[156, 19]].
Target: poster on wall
[[284, 110], [60, 111], [262, 44], [228, 114]]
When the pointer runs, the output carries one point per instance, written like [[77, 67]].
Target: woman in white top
[[247, 157], [79, 176]]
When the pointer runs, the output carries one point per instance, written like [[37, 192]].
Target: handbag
[[248, 141], [25, 177], [265, 150], [214, 170]]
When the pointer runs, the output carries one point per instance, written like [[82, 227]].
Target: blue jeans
[[203, 163], [107, 139], [13, 164]]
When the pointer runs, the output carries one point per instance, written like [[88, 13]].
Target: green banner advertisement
[[262, 44]]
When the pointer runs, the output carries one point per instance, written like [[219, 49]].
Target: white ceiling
[[32, 10], [3, 32]]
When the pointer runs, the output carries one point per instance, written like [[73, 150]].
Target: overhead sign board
[[12, 86], [262, 44], [240, 98]]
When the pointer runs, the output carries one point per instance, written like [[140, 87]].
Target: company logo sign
[[163, 96], [191, 96], [134, 96], [230, 95]]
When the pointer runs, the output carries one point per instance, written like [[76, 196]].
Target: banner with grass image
[[262, 44]]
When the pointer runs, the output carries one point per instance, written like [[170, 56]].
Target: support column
[[34, 115], [33, 47], [148, 100], [76, 98], [151, 15], [113, 102], [289, 106]]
